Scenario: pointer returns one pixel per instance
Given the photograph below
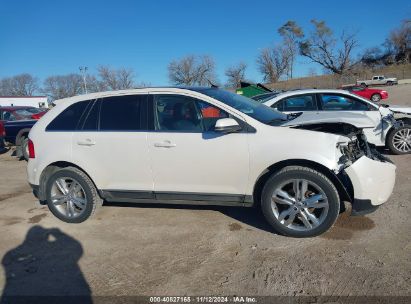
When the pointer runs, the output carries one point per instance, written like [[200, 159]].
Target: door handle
[[165, 144], [86, 142]]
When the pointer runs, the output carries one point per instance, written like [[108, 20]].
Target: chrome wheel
[[402, 140], [299, 204], [68, 197]]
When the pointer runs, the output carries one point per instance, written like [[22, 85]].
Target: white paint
[[192, 162]]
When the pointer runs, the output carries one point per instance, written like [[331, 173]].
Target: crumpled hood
[[307, 118], [399, 109]]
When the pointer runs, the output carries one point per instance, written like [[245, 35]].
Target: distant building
[[32, 101]]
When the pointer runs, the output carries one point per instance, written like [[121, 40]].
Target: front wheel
[[71, 195], [399, 140], [300, 202]]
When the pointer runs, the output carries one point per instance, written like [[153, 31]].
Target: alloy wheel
[[402, 140], [299, 204], [68, 197]]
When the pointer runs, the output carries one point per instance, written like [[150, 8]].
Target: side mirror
[[227, 125]]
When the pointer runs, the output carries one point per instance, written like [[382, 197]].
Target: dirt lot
[[173, 250]]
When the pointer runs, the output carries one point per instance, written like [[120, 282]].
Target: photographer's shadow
[[45, 264]]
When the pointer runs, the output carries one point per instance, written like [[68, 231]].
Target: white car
[[382, 125], [200, 146], [378, 80]]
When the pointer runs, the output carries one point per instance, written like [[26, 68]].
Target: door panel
[[199, 162], [115, 153], [187, 155]]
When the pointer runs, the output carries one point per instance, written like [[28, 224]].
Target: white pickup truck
[[377, 80]]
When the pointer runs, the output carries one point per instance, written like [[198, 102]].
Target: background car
[[378, 80], [371, 94], [2, 135], [17, 122], [381, 129], [265, 96], [21, 113]]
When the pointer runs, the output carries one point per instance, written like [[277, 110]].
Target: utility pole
[[83, 71]]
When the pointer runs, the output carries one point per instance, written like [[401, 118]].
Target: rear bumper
[[372, 181]]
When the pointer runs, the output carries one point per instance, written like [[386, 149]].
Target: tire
[[25, 148], [399, 140], [274, 211], [364, 85], [79, 205], [375, 97], [389, 83]]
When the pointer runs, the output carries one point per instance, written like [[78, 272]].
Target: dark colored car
[[2, 135], [17, 131], [371, 94]]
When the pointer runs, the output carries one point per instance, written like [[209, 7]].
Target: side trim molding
[[184, 198]]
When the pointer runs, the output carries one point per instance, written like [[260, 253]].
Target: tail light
[[32, 154], [2, 130]]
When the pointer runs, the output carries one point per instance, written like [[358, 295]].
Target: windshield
[[247, 106]]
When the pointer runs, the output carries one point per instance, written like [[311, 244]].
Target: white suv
[[200, 146]]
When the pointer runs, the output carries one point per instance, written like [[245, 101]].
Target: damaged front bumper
[[372, 181], [371, 174]]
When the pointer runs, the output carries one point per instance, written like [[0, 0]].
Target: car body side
[[268, 147]]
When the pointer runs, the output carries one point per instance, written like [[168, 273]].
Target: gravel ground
[[178, 250]]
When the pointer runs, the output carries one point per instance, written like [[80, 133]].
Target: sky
[[54, 37]]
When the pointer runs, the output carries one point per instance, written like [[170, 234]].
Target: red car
[[371, 94], [21, 113]]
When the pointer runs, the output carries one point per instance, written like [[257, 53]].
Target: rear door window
[[122, 113], [336, 102]]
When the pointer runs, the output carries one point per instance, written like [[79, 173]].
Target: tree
[[19, 85], [400, 40], [235, 74], [375, 57], [62, 86], [273, 63], [192, 70], [291, 34], [115, 79], [321, 47]]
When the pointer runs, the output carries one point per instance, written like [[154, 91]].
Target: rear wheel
[[300, 202], [25, 148], [364, 85], [376, 97], [399, 140], [71, 195], [390, 83]]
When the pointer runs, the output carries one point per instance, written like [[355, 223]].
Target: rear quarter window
[[68, 120]]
